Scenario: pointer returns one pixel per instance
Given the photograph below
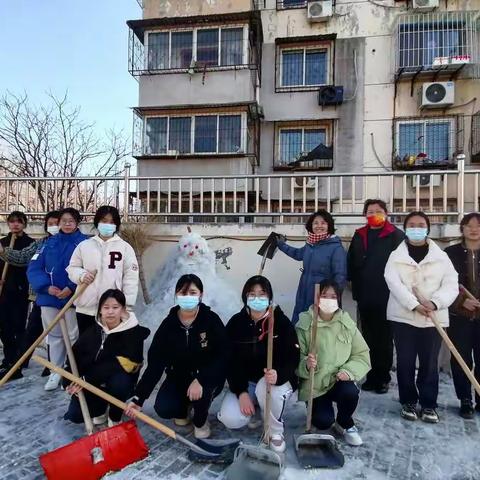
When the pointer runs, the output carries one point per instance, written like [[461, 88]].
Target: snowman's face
[[192, 247]]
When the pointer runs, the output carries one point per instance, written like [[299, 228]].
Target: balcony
[[439, 44]]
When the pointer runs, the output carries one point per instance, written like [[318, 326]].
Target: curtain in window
[[156, 135], [232, 46], [229, 133], [290, 145], [292, 68], [316, 68], [410, 141], [180, 134], [206, 134], [207, 47], [312, 139], [181, 56], [437, 141], [158, 51]]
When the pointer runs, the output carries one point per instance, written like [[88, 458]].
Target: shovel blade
[[269, 247], [223, 451], [92, 457], [254, 463], [318, 451]]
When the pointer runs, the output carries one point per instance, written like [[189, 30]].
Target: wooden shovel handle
[[268, 398], [80, 289], [313, 350], [5, 266], [107, 397], [467, 293]]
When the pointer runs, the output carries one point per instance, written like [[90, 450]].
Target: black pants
[[345, 395], [13, 317], [33, 330], [84, 322], [412, 342], [377, 332], [120, 385], [465, 335], [172, 402]]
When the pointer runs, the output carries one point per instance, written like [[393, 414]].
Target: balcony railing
[[277, 198]]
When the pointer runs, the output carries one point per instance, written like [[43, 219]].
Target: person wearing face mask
[[247, 375], [368, 254], [191, 347], [49, 280], [109, 355], [422, 282], [103, 262], [342, 359], [323, 257]]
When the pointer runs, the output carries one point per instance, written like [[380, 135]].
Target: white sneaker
[[255, 421], [111, 423], [277, 443], [202, 432], [53, 382], [350, 435], [100, 420]]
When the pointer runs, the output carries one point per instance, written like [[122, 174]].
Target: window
[[475, 138], [295, 142], [291, 4], [431, 140], [303, 67], [194, 134], [210, 47]]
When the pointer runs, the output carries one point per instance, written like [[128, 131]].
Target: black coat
[[366, 265], [96, 352], [200, 352], [16, 283], [249, 353]]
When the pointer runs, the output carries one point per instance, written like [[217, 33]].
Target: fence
[[277, 198]]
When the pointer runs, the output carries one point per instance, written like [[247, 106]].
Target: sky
[[78, 46]]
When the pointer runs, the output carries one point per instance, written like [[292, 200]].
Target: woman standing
[[49, 280], [247, 374], [464, 330], [109, 355], [423, 283], [323, 257], [191, 347], [341, 359], [113, 260]]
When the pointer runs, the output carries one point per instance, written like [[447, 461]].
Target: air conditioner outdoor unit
[[319, 10], [309, 182], [437, 95], [426, 180], [425, 5]]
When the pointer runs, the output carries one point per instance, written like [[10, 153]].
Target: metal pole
[[461, 185], [126, 194]]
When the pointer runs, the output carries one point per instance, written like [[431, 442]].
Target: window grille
[[475, 137], [285, 4]]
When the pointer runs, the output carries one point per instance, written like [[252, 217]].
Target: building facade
[[238, 87]]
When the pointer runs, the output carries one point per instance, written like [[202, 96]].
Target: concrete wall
[[183, 8]]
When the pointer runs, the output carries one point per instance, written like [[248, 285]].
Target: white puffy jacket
[[434, 277], [116, 265]]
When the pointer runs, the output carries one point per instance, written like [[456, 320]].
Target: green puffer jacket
[[340, 347]]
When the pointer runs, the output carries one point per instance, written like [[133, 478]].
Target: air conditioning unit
[[319, 10], [425, 5], [309, 182], [426, 180], [330, 95], [437, 95]]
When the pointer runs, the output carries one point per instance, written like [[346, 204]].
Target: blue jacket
[[48, 265], [326, 260]]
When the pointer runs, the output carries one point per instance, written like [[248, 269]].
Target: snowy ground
[[31, 423]]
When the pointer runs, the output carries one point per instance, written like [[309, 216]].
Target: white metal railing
[[276, 198]]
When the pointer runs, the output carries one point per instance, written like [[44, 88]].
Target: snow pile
[[190, 255]]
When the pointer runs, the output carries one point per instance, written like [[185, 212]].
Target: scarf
[[314, 238]]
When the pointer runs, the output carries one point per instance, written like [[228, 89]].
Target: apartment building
[[237, 87]]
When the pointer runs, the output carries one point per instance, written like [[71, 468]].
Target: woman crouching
[[109, 355], [341, 359]]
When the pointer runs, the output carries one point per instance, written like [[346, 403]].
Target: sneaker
[[429, 415], [100, 420], [45, 372], [350, 435], [53, 382], [255, 421], [368, 386], [382, 388], [112, 423], [466, 409], [181, 422], [202, 432], [409, 412], [16, 375], [277, 443]]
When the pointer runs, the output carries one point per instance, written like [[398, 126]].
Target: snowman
[[190, 255]]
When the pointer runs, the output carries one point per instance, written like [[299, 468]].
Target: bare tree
[[52, 142]]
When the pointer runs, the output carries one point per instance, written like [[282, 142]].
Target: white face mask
[[328, 305], [53, 229]]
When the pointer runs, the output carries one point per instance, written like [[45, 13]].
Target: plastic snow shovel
[[316, 450], [209, 453], [267, 250], [256, 462]]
